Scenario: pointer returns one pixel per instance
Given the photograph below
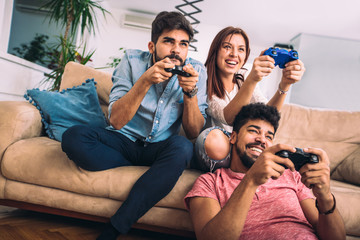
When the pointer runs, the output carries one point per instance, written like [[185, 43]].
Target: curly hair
[[256, 111], [170, 21]]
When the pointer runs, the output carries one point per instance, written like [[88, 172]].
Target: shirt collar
[[232, 174]]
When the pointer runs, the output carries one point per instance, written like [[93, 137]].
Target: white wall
[[111, 36], [332, 77], [16, 79], [19, 75]]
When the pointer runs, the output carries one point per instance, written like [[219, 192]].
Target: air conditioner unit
[[31, 6], [139, 21]]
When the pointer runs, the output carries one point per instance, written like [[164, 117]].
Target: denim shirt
[[159, 115]]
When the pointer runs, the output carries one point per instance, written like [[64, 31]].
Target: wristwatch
[[192, 93]]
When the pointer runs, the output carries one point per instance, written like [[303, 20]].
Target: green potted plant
[[71, 14]]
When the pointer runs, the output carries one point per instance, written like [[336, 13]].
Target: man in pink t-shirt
[[257, 197]]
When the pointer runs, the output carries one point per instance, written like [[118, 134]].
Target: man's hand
[[267, 165], [262, 67], [156, 73], [317, 176], [188, 83], [292, 73]]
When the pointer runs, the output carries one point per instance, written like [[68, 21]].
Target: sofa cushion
[[76, 73], [331, 130], [167, 217], [347, 201], [349, 169], [41, 161], [73, 106]]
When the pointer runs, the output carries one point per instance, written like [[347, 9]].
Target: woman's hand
[[292, 73], [262, 67]]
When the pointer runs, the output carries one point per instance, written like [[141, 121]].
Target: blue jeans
[[97, 149], [202, 160]]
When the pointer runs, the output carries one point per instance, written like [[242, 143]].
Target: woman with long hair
[[228, 91]]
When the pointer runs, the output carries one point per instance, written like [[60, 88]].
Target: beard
[[246, 159], [171, 56]]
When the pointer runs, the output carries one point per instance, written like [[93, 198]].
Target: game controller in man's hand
[[282, 56], [299, 158], [178, 70]]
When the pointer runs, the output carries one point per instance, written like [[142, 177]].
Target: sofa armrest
[[18, 120]]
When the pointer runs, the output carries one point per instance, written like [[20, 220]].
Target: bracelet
[[281, 92], [328, 212]]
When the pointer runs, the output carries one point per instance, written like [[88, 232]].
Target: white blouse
[[216, 105]]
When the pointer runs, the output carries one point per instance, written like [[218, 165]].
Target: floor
[[16, 224]]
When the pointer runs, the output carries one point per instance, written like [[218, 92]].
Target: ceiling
[[267, 21]]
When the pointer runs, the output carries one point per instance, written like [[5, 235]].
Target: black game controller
[[178, 70], [299, 158]]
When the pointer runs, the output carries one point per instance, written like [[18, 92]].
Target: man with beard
[[147, 106], [257, 198]]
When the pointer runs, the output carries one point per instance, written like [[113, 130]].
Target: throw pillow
[[74, 106], [349, 169]]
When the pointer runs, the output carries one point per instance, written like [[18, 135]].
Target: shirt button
[[161, 101], [157, 121], [149, 137]]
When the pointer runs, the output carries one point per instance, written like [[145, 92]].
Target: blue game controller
[[282, 56]]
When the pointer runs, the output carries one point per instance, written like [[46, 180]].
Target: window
[[31, 35]]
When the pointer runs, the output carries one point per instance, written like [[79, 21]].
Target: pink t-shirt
[[275, 212]]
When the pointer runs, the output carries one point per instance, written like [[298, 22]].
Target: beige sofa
[[37, 175]]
